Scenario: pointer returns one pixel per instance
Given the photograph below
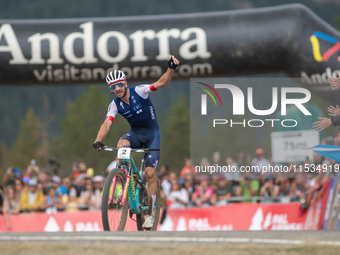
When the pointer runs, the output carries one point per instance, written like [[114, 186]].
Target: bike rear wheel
[[144, 200], [114, 214]]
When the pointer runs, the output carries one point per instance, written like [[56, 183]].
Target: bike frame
[[130, 186]]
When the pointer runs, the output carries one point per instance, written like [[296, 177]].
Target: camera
[[55, 165], [33, 162]]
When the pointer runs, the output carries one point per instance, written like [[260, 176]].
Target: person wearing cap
[[56, 183], [98, 181], [223, 191], [31, 198], [260, 161]]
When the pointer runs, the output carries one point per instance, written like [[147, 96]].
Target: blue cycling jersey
[[140, 113]]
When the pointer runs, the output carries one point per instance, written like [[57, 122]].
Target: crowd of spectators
[[38, 190], [192, 188]]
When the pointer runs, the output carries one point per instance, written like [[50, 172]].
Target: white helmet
[[115, 76]]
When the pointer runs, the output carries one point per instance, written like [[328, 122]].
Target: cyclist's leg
[[151, 139], [151, 164], [129, 140]]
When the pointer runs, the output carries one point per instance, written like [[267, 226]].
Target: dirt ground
[[159, 248]]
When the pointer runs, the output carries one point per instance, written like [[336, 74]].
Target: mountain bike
[[125, 192]]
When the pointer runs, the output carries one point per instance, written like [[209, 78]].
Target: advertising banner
[[237, 217], [61, 221], [66, 51]]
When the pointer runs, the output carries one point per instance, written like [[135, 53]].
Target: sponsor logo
[[314, 39], [273, 222], [132, 183], [137, 107]]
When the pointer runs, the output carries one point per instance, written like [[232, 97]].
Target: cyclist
[[136, 107]]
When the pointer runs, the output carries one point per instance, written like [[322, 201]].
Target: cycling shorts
[[148, 139]]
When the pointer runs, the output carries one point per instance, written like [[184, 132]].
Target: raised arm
[[102, 133], [105, 127], [166, 77]]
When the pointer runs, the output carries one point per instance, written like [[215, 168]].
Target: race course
[[235, 242]]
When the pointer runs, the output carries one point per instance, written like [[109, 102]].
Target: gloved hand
[[171, 62], [98, 145]]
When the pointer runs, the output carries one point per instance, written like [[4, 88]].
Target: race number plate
[[124, 153]]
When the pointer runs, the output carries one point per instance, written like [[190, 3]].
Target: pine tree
[[175, 135], [27, 143]]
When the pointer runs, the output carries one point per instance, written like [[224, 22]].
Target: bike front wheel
[[114, 213], [144, 199]]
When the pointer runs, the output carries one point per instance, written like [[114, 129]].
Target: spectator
[[40, 187], [173, 177], [89, 172], [216, 158], [284, 186], [91, 196], [98, 182], [189, 186], [232, 165], [203, 193], [72, 203], [223, 191], [244, 159], [259, 161], [11, 204], [178, 197], [32, 169], [248, 188], [53, 202], [44, 178], [10, 174], [114, 164], [82, 167], [19, 186], [269, 189], [188, 168], [80, 183], [31, 198], [75, 172], [66, 182], [56, 183], [165, 184], [299, 186]]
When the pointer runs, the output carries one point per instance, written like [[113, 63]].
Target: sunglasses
[[119, 85]]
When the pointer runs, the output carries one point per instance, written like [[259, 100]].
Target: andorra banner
[[212, 44]]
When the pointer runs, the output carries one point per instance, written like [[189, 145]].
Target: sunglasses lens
[[119, 85]]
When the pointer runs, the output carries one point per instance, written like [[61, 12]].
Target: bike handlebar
[[144, 150]]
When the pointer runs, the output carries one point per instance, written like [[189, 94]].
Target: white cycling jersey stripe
[[143, 90]]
